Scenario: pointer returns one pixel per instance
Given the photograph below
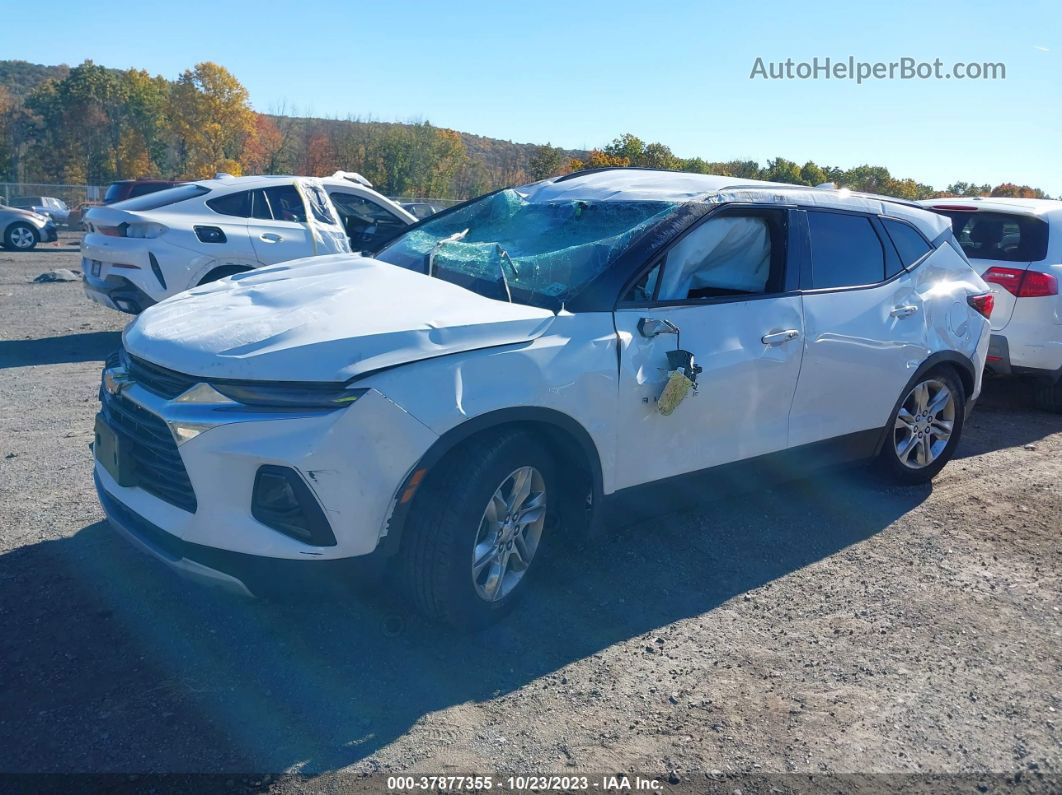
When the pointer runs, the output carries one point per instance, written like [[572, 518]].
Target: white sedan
[[511, 371], [142, 250]]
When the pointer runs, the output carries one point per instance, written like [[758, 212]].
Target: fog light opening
[[281, 500]]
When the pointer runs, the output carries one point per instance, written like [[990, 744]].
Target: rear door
[[278, 225], [864, 324], [723, 288]]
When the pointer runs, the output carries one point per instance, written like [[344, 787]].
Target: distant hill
[[22, 77]]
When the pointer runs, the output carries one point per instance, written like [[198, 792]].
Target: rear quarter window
[[845, 251], [237, 204], [910, 244], [1008, 237]]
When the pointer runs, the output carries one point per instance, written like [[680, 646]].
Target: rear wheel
[[477, 528], [1048, 396], [925, 428], [21, 237]]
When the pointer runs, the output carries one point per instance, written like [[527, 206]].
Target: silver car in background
[[49, 206], [22, 230]]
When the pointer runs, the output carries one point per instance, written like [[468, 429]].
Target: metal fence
[[73, 195]]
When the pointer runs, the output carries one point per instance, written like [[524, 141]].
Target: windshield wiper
[[456, 236]]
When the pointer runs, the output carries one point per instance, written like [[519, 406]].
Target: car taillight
[[982, 304], [1022, 283]]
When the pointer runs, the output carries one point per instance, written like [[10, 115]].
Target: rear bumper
[[235, 572], [117, 292], [1000, 363]]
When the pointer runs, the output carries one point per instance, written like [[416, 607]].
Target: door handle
[[778, 337], [269, 237], [904, 311]]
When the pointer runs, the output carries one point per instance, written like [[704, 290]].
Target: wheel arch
[[567, 440], [964, 369]]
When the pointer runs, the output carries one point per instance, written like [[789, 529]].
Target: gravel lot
[[833, 625]]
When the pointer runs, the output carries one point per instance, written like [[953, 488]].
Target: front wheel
[[925, 428], [476, 529], [21, 237]]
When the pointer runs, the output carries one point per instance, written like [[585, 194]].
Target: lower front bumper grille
[[158, 468]]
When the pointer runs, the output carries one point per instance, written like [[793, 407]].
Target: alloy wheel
[[924, 424], [509, 534], [22, 237]]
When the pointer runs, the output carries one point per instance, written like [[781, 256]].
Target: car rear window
[[114, 190], [162, 198], [845, 251], [999, 236], [910, 245]]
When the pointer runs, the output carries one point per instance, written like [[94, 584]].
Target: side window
[[286, 203], [732, 255], [260, 206], [909, 243], [238, 204], [367, 224], [319, 204], [642, 291], [845, 250]]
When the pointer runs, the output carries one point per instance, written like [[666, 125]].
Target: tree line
[[91, 125]]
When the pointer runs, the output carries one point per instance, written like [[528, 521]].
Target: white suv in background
[[505, 372], [142, 250], [1016, 246]]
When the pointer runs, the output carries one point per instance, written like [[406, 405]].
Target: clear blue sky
[[578, 74]]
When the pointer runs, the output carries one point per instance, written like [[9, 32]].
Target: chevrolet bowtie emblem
[[116, 380]]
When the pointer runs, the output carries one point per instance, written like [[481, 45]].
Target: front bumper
[[49, 234], [234, 572], [352, 460]]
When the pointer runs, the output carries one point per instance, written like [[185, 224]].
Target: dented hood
[[323, 319]]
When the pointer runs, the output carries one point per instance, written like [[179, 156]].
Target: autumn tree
[[211, 119]]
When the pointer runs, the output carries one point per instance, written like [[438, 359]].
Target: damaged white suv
[[507, 370]]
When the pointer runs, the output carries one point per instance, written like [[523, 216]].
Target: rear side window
[[910, 245], [285, 203], [162, 198], [238, 204], [1000, 236], [845, 251]]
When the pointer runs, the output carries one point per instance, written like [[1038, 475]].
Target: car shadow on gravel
[[91, 346], [112, 663]]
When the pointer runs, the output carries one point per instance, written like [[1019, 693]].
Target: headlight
[[291, 395]]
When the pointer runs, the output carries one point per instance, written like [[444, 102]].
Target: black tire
[[18, 230], [1048, 397], [221, 273], [889, 460], [435, 562]]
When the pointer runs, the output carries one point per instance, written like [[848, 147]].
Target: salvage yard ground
[[830, 625]]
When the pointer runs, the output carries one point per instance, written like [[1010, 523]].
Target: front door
[[722, 287]]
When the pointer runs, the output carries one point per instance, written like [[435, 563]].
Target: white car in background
[[505, 372], [1016, 246], [139, 251]]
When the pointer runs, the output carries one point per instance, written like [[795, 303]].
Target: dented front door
[[750, 352]]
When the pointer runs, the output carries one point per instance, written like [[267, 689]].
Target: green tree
[[546, 161]]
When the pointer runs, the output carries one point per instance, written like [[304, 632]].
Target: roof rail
[[585, 171], [848, 191]]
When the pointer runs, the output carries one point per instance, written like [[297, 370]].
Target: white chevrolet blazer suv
[[1016, 246], [139, 251], [506, 371]]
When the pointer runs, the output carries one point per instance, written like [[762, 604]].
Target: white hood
[[323, 319]]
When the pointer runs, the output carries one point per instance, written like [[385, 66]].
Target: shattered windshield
[[535, 252]]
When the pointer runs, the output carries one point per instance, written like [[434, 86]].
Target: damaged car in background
[[507, 373], [144, 249]]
